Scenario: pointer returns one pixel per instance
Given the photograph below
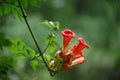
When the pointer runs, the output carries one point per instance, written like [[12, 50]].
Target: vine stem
[[35, 41]]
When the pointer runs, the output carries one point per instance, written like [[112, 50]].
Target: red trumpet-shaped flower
[[75, 55], [76, 50], [67, 36]]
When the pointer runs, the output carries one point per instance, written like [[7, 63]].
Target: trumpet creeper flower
[[74, 56]]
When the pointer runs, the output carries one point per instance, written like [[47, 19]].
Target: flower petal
[[83, 43], [78, 61]]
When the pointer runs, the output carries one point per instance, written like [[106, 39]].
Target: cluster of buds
[[74, 56]]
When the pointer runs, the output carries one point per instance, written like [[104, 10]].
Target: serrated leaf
[[20, 56], [34, 64]]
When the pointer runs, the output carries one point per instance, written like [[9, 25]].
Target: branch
[[35, 41]]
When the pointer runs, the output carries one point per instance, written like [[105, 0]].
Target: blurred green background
[[97, 21]]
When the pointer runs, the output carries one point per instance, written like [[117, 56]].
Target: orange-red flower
[[75, 55], [67, 36], [76, 50]]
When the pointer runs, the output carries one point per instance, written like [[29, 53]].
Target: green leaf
[[16, 41], [6, 64], [19, 44], [14, 13], [4, 41], [38, 56], [46, 22], [30, 52], [47, 57], [20, 17], [13, 49], [53, 46], [20, 56], [34, 64], [19, 47], [55, 25], [49, 38]]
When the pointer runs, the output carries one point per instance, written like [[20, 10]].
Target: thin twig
[[48, 44]]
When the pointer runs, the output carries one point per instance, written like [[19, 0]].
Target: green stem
[[36, 43], [45, 48], [48, 44]]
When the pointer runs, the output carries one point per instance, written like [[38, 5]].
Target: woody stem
[[33, 37]]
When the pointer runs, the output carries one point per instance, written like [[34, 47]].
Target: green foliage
[[47, 57], [50, 39], [54, 26], [6, 65], [20, 56], [21, 50], [6, 10], [30, 52], [52, 44], [4, 41], [34, 64], [11, 6]]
